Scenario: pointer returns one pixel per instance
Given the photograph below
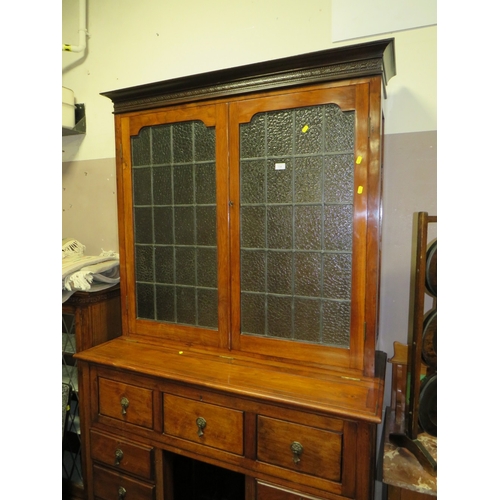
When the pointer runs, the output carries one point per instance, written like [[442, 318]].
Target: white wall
[[132, 43]]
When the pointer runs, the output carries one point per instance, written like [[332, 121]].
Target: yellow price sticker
[[305, 128], [360, 189], [359, 159]]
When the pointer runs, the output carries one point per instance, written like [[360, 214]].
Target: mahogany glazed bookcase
[[249, 205]]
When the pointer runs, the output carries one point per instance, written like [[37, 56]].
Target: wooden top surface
[[325, 391]]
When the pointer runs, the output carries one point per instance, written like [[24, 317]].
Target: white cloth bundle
[[86, 272]]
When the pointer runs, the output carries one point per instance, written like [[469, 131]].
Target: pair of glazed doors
[[251, 224]]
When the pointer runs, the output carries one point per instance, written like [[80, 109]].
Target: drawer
[[122, 454], [111, 485], [128, 403], [208, 424], [273, 492], [318, 451]]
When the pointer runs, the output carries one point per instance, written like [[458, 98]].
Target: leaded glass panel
[[296, 219], [174, 208], [71, 453]]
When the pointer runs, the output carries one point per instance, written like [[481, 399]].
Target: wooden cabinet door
[[303, 174], [174, 223]]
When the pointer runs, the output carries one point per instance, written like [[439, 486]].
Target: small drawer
[[204, 423], [301, 448], [111, 485], [274, 492], [122, 454], [125, 402]]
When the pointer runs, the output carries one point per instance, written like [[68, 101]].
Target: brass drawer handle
[[118, 456], [121, 492], [124, 402], [297, 450], [201, 423]]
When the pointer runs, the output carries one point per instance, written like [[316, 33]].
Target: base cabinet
[[88, 319], [250, 430]]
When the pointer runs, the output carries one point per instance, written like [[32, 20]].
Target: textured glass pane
[[204, 142], [185, 265], [308, 274], [308, 230], [175, 220], [206, 262], [309, 179], [165, 303], [163, 225], [186, 305], [279, 316], [145, 301], [142, 186], [182, 142], [280, 133], [337, 276], [164, 264], [339, 129], [183, 185], [296, 194], [307, 320], [338, 227], [339, 178], [206, 226], [205, 183], [184, 225], [280, 226], [141, 148], [144, 263], [280, 181], [162, 185], [207, 308], [253, 271], [253, 313], [279, 272], [309, 130], [253, 181], [253, 227], [253, 138], [337, 323], [143, 221], [162, 144]]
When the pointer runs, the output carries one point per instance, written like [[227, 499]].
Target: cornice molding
[[368, 59]]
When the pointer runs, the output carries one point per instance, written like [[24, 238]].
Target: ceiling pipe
[[82, 31]]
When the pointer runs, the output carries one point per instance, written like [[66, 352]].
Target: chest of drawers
[[286, 433]]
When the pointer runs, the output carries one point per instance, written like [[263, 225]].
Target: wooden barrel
[[427, 407], [431, 269], [429, 339]]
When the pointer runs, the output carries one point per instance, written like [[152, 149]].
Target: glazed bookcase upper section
[[249, 208]]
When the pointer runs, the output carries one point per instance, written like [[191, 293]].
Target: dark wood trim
[[84, 298], [366, 59]]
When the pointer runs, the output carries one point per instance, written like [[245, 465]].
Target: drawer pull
[[297, 450], [124, 402], [201, 423], [118, 456], [121, 493]]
